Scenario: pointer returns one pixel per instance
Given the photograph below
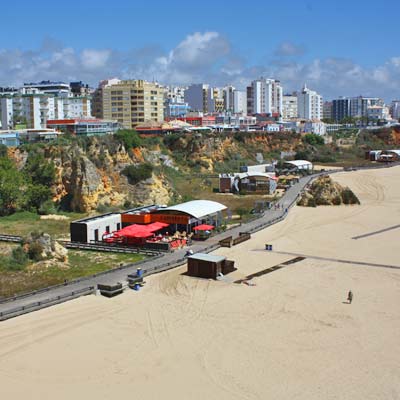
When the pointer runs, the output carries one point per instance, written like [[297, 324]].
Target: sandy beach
[[291, 336]]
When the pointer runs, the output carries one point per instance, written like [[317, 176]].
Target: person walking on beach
[[350, 297]]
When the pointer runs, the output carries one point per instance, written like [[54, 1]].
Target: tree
[[11, 183], [37, 196], [3, 151], [137, 173], [313, 139], [39, 170], [129, 138]]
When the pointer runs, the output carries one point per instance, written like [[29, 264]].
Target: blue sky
[[338, 47]]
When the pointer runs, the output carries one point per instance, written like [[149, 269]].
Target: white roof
[[298, 163], [197, 208], [242, 175]]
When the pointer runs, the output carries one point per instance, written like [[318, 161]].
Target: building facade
[[289, 106], [266, 97], [310, 104], [395, 109], [359, 105], [200, 98], [341, 109], [239, 102], [133, 102]]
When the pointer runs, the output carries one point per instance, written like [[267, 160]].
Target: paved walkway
[[166, 261]]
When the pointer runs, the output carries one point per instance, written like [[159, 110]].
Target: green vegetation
[[314, 140], [16, 279], [137, 173], [28, 189], [22, 223], [129, 138]]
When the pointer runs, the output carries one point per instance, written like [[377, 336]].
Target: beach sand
[[292, 336]]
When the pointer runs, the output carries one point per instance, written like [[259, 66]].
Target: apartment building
[[239, 102], [289, 106], [132, 102], [200, 98], [309, 104], [359, 105], [35, 108], [341, 109], [266, 97], [174, 102], [395, 109]]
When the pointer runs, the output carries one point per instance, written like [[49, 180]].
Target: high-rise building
[[200, 98], [174, 104], [359, 105], [395, 109], [289, 106], [309, 104], [239, 102], [340, 109], [267, 97], [327, 110], [133, 102], [228, 96], [32, 108], [97, 98]]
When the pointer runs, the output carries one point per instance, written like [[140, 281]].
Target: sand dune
[[289, 337]]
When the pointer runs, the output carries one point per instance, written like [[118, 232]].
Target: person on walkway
[[350, 297]]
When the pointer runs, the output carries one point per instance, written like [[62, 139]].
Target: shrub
[[313, 139], [349, 197], [35, 251], [129, 138], [137, 173], [18, 259]]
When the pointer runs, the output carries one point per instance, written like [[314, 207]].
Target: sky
[[339, 48]]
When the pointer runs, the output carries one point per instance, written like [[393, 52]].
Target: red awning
[[203, 227], [140, 231]]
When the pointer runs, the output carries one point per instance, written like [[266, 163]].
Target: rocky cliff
[[324, 191], [89, 175]]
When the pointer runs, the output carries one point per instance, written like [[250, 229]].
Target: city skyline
[[338, 50]]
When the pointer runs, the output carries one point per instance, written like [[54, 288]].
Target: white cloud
[[200, 57], [92, 59]]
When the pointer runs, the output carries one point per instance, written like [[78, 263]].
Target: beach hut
[[208, 266]]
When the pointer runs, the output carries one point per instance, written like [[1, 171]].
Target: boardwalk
[[15, 307]]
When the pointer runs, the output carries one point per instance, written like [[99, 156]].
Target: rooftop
[[207, 257], [197, 208]]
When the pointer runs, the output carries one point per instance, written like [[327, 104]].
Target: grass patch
[[82, 263], [22, 223]]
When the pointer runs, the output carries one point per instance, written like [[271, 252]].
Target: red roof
[[141, 231], [203, 227]]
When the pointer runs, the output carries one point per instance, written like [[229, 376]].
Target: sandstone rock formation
[[324, 191]]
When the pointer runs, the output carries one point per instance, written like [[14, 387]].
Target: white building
[[200, 98], [267, 96], [378, 112], [49, 87], [289, 106], [239, 102], [316, 127], [35, 109], [309, 104]]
